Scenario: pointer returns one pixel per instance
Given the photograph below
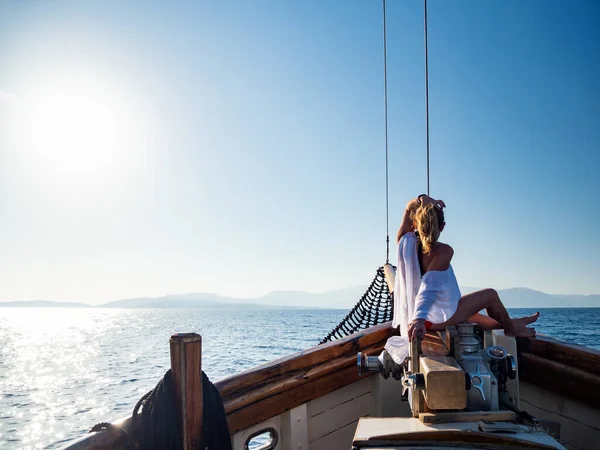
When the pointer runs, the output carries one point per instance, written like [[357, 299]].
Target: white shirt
[[433, 297]]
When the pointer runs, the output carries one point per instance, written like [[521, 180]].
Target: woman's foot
[[519, 326], [522, 322]]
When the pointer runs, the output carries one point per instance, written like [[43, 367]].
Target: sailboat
[[365, 387]]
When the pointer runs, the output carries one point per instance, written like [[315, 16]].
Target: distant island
[[339, 299], [43, 304]]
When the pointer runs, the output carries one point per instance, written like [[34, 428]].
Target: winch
[[470, 377]]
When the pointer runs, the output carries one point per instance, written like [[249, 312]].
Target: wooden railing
[[566, 369], [268, 390]]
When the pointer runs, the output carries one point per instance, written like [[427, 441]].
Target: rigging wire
[[387, 203], [426, 91]]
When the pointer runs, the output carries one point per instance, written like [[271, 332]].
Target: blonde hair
[[428, 219]]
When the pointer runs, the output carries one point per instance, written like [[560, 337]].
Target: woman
[[427, 292]]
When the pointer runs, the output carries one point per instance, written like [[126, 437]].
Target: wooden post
[[186, 367], [415, 367]]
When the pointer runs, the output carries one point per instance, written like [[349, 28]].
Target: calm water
[[63, 370]]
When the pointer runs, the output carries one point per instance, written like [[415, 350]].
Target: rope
[[385, 95], [101, 427], [426, 92], [375, 306], [157, 426], [215, 432]]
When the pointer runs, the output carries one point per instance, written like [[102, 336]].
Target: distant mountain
[[586, 301], [530, 298], [512, 298], [339, 299], [42, 304], [342, 298], [183, 301], [170, 301]]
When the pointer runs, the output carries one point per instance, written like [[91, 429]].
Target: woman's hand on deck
[[416, 329]]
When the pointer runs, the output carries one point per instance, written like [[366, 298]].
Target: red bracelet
[[428, 325]]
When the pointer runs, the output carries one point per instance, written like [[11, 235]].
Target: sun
[[76, 127]]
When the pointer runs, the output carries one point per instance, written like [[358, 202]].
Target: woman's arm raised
[[406, 226]]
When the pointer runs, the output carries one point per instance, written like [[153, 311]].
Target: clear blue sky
[[237, 147]]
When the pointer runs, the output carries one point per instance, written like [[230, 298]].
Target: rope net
[[375, 306]]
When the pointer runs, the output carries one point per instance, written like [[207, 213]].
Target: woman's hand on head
[[427, 200], [440, 203], [416, 329]]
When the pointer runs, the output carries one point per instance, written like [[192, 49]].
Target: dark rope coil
[[156, 426], [155, 419]]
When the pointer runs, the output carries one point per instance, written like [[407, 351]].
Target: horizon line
[[254, 299]]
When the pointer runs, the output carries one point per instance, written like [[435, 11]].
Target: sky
[[237, 147]]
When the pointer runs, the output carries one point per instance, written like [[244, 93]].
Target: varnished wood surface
[[560, 378], [451, 438], [433, 345], [283, 401], [445, 383], [115, 437], [293, 380], [256, 395], [186, 367], [565, 369], [417, 403], [466, 416], [576, 356], [313, 356], [393, 432]]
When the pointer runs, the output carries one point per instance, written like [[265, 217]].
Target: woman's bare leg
[[469, 306], [485, 322]]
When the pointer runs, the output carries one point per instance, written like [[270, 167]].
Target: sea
[[63, 370]]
